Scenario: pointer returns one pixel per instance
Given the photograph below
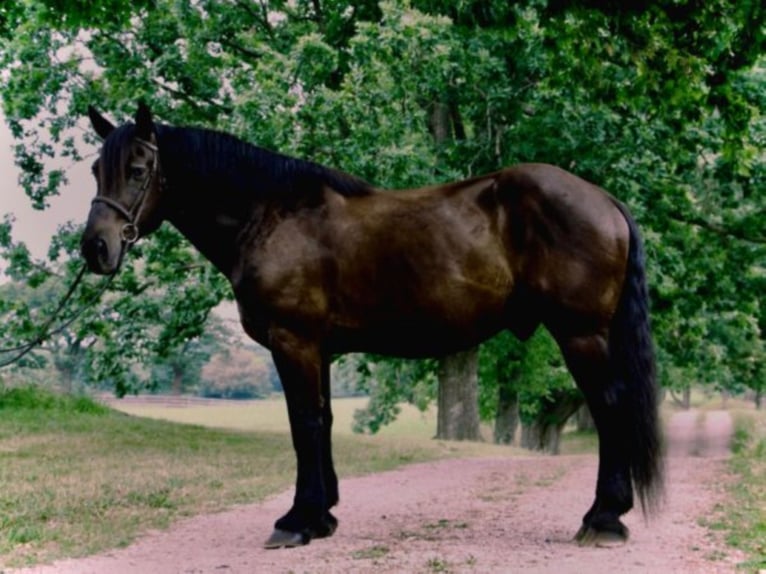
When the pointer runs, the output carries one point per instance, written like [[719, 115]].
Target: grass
[[270, 415], [745, 519], [78, 478], [411, 425], [372, 553]]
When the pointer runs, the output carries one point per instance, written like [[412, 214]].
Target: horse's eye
[[136, 171]]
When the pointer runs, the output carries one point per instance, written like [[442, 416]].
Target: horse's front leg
[[301, 366]]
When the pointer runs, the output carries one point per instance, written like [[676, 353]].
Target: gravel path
[[476, 516]]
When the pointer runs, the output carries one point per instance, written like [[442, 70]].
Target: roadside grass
[[77, 478], [270, 415], [745, 520]]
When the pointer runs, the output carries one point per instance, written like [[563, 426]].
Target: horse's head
[[128, 178]]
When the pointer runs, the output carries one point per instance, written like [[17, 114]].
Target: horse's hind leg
[[588, 360]]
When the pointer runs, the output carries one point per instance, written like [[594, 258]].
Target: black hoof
[[615, 535], [284, 539], [287, 539], [327, 528]]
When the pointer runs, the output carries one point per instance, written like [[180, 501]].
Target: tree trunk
[[685, 401], [541, 437], [544, 433], [507, 416], [585, 419], [439, 122], [458, 416], [758, 399], [176, 387]]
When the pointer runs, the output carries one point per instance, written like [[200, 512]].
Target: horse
[[322, 263]]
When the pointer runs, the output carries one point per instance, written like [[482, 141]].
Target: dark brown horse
[[322, 263]]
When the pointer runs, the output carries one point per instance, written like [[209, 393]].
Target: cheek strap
[[129, 232]]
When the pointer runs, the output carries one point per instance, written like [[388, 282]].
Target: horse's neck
[[215, 239], [209, 215]]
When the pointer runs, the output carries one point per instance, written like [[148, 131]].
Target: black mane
[[206, 156], [247, 168]]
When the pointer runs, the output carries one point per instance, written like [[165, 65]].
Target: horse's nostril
[[96, 252], [101, 249]]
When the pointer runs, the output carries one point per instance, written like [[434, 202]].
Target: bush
[[37, 398], [232, 391]]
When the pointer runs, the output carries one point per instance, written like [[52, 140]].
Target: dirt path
[[477, 516]]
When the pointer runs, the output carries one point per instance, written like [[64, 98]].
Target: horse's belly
[[413, 338]]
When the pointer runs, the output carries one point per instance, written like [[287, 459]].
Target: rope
[[45, 331], [129, 234]]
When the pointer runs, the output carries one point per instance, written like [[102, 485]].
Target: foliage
[[239, 373], [76, 481], [535, 370], [32, 398], [661, 103], [745, 520], [390, 382]]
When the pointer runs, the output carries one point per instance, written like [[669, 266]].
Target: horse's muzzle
[[95, 250]]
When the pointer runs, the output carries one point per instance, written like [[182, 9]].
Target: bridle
[[130, 233]]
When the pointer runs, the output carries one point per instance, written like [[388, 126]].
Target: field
[[411, 426], [77, 477], [745, 521], [270, 415]]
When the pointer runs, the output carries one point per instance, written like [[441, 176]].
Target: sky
[[33, 227]]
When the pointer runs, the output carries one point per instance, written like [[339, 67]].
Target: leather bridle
[[130, 233]]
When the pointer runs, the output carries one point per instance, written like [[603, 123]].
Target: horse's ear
[[143, 121], [102, 125]]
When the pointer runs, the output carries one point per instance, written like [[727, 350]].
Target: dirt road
[[474, 516]]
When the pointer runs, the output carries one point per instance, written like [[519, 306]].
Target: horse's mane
[[206, 154], [249, 168]]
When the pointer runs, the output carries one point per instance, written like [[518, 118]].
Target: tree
[[527, 383], [238, 373], [458, 414], [660, 103], [180, 368], [390, 382], [500, 369]]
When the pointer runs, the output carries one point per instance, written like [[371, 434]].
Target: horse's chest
[[275, 286]]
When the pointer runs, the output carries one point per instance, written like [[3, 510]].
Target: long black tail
[[633, 363]]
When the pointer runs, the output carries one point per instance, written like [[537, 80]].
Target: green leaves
[[660, 104], [390, 382]]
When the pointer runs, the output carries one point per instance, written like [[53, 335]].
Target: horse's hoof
[[328, 527], [285, 539], [589, 536]]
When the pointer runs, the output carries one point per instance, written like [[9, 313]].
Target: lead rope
[[128, 234], [45, 331]]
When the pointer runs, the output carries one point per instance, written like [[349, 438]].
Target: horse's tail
[[632, 359]]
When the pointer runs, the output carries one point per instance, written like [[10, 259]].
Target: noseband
[[129, 232]]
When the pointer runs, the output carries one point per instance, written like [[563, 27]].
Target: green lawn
[[271, 416], [745, 519], [78, 478]]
